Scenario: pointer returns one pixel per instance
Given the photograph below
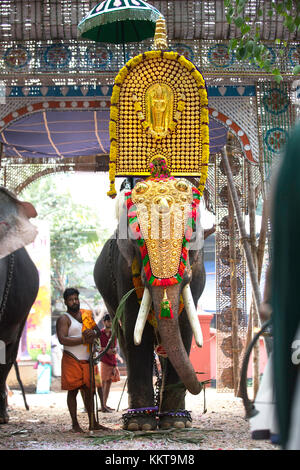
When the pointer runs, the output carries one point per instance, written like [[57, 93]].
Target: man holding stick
[[76, 331]]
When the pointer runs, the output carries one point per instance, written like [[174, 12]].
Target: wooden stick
[[262, 239], [260, 259], [125, 383], [92, 387], [255, 318], [233, 294]]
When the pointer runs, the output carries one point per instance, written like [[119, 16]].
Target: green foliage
[[249, 47], [74, 231], [177, 435]]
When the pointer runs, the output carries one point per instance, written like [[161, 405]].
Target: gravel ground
[[46, 426]]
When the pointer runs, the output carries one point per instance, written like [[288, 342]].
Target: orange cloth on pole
[[74, 373], [88, 322], [98, 381]]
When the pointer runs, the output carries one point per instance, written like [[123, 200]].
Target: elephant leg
[[172, 409], [11, 354], [140, 380], [4, 371]]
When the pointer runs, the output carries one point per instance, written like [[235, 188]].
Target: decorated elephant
[[169, 278], [19, 282]]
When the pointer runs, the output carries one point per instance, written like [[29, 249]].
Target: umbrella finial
[[160, 38]]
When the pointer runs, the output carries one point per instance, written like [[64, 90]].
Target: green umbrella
[[119, 22]]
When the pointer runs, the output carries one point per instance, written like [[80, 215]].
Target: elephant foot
[[4, 419], [140, 419], [140, 424], [176, 419]]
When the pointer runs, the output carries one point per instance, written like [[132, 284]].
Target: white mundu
[[75, 331]]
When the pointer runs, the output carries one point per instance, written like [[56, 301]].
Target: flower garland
[[135, 228], [114, 111], [159, 169]]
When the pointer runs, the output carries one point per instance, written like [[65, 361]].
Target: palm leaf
[[115, 324], [186, 435]]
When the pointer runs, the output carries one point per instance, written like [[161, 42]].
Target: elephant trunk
[[172, 342], [192, 314]]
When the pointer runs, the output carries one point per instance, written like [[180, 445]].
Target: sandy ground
[[46, 426]]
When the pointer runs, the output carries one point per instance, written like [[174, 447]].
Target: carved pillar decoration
[[276, 118]]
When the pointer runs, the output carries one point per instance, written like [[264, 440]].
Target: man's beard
[[74, 308]]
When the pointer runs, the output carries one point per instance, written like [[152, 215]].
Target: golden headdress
[[159, 108]]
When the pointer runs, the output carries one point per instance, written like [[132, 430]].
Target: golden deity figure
[[159, 108]]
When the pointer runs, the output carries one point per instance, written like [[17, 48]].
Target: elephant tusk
[[142, 317], [192, 314]]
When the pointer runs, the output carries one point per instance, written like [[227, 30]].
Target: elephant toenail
[[146, 427], [179, 424], [133, 427]]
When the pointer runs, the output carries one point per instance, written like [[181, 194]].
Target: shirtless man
[[75, 374]]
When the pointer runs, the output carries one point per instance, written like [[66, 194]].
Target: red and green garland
[[135, 228]]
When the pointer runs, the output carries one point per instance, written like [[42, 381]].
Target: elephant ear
[[15, 229], [127, 250], [125, 244]]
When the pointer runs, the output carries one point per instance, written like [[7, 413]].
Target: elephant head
[[161, 214], [15, 229]]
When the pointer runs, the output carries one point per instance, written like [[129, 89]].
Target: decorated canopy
[[119, 21], [186, 19], [72, 133]]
